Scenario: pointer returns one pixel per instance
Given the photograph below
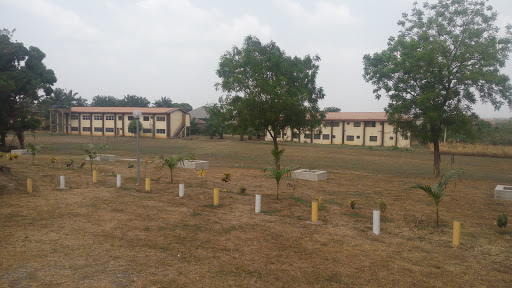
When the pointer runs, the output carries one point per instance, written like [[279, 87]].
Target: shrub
[[130, 165], [382, 206], [226, 177], [242, 189], [352, 203], [502, 220]]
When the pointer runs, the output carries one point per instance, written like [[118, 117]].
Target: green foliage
[[269, 90], [352, 203], [34, 150], [130, 165], [382, 206], [242, 189], [127, 101], [332, 109], [276, 171], [69, 163], [132, 126], [92, 151], [216, 124], [23, 76], [445, 56], [173, 161], [436, 192], [167, 102], [502, 220]]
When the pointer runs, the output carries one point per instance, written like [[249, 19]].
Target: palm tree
[[173, 161], [163, 102], [436, 192]]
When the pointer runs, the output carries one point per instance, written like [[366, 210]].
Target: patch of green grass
[[195, 214], [353, 215], [270, 211], [299, 200]]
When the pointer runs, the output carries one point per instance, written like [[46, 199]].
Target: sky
[[171, 48]]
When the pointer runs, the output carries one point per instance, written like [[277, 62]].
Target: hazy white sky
[[171, 48]]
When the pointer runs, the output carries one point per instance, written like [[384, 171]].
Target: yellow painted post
[[148, 184], [314, 211], [29, 185], [94, 176], [456, 234], [216, 197]]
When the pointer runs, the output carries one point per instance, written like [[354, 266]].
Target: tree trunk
[[241, 137], [21, 138], [258, 136], [221, 136], [437, 159], [211, 136], [278, 166], [3, 138]]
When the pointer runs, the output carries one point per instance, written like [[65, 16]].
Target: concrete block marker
[[62, 182], [195, 164], [257, 207], [376, 222], [118, 180], [307, 174], [503, 192], [456, 234], [182, 190]]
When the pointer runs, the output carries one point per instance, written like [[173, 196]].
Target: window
[[307, 136], [120, 118], [371, 124], [109, 117], [373, 138], [74, 128], [160, 118], [147, 131], [358, 137], [98, 117], [109, 129], [98, 129], [130, 118], [325, 136], [160, 131], [86, 117], [357, 124], [74, 117], [350, 138], [86, 129], [146, 118], [317, 136], [335, 124], [391, 138]]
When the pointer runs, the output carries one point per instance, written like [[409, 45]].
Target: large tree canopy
[[275, 90], [446, 56], [23, 77]]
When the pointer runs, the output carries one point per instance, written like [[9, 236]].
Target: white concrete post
[[182, 190], [118, 180], [257, 207], [62, 182], [376, 222]]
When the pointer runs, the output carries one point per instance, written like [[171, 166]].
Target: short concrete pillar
[[29, 185], [62, 182], [376, 222], [456, 234], [148, 184], [94, 176], [216, 197], [182, 190], [257, 207], [118, 180], [314, 211]]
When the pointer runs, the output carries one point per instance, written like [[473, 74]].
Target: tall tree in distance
[[331, 109], [105, 101], [135, 101], [446, 56], [276, 90], [163, 102]]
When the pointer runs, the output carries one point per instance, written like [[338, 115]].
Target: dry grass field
[[97, 235]]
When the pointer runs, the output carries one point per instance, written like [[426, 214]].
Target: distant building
[[200, 115], [114, 121], [350, 128]]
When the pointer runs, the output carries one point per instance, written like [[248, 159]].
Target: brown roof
[[144, 110], [356, 116]]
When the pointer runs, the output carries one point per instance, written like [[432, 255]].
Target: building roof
[[199, 113], [144, 110], [356, 116]]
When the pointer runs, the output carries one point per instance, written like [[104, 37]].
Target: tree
[[132, 126], [23, 76], [33, 149], [445, 55], [163, 102], [332, 109], [135, 101], [91, 151], [436, 192], [105, 101], [173, 161], [216, 124], [277, 91]]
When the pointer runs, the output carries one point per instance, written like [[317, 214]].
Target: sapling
[[92, 151], [172, 161], [34, 150], [436, 192], [276, 171]]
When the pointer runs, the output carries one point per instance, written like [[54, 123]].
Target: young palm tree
[[173, 161], [436, 192], [34, 150], [276, 171]]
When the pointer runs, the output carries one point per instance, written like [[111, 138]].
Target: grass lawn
[[98, 235]]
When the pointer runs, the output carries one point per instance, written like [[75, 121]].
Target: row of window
[[112, 118], [99, 129]]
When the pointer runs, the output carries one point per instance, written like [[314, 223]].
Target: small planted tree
[[436, 192], [276, 171], [132, 126], [92, 151], [34, 150], [173, 161]]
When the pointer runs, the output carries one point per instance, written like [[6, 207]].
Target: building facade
[[114, 121], [350, 128]]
